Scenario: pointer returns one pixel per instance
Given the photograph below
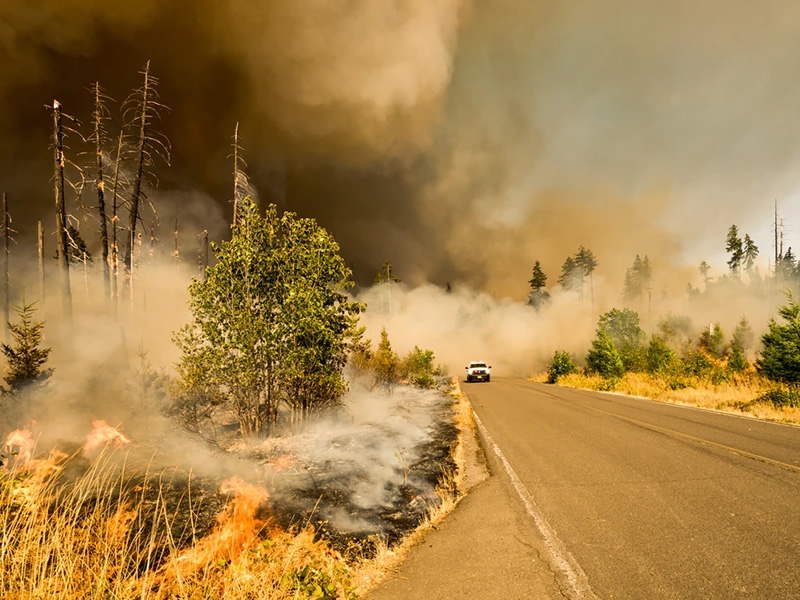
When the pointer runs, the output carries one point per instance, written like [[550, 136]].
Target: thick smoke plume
[[460, 140]]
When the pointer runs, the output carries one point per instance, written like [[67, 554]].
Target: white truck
[[478, 371]]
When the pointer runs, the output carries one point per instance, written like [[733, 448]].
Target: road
[[645, 500]]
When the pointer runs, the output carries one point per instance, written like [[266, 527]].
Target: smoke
[[442, 135]]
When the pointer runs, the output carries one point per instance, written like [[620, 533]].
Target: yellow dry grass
[[738, 395], [83, 539]]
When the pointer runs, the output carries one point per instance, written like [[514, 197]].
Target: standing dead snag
[[41, 267], [61, 211], [114, 221], [5, 286], [144, 107], [241, 185], [100, 115]]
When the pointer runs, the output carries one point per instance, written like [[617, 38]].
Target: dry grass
[[79, 528], [95, 536], [738, 395]]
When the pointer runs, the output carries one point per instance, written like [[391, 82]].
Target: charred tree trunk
[[203, 254], [114, 221], [236, 172], [140, 154], [99, 110], [5, 286], [61, 211], [176, 254], [41, 269]]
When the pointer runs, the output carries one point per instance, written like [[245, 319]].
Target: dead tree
[[99, 116], [202, 254], [5, 280], [241, 184], [41, 269], [144, 107], [114, 220], [177, 252], [61, 211]]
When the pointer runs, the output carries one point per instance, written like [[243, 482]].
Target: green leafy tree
[[743, 336], [603, 357], [622, 325], [562, 364], [734, 247], [418, 368], [271, 323], [26, 357], [538, 296], [780, 355]]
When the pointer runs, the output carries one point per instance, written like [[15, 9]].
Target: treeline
[[577, 269]]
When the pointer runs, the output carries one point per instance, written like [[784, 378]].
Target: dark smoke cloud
[[460, 141]]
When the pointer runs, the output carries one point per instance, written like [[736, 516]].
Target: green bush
[[603, 357], [782, 397], [561, 365], [417, 367], [659, 357]]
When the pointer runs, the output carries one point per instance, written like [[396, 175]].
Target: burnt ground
[[364, 476], [368, 472]]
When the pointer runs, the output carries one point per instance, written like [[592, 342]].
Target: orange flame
[[20, 443], [103, 434], [237, 530]]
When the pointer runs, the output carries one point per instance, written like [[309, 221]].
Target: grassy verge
[[747, 393]]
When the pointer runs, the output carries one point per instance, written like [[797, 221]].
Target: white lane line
[[560, 557]]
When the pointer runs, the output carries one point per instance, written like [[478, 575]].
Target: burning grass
[[88, 522], [746, 393], [111, 533]]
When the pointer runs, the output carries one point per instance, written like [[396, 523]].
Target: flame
[[20, 444], [103, 434], [237, 530]]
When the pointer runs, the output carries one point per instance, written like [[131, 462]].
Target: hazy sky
[[460, 140]]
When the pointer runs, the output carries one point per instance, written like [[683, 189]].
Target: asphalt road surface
[[645, 500]]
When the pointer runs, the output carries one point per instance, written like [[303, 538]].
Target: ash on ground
[[370, 470]]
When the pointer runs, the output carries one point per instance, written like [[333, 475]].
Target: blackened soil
[[330, 496]]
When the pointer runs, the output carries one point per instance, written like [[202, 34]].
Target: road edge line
[[560, 557]]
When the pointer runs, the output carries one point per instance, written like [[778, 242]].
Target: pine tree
[[780, 356], [603, 357], [538, 295], [386, 274], [26, 359], [570, 274], [750, 252], [734, 247]]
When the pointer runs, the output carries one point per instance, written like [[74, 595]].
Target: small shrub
[[418, 368], [782, 397], [561, 365]]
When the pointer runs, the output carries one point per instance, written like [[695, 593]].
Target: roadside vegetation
[[705, 370]]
